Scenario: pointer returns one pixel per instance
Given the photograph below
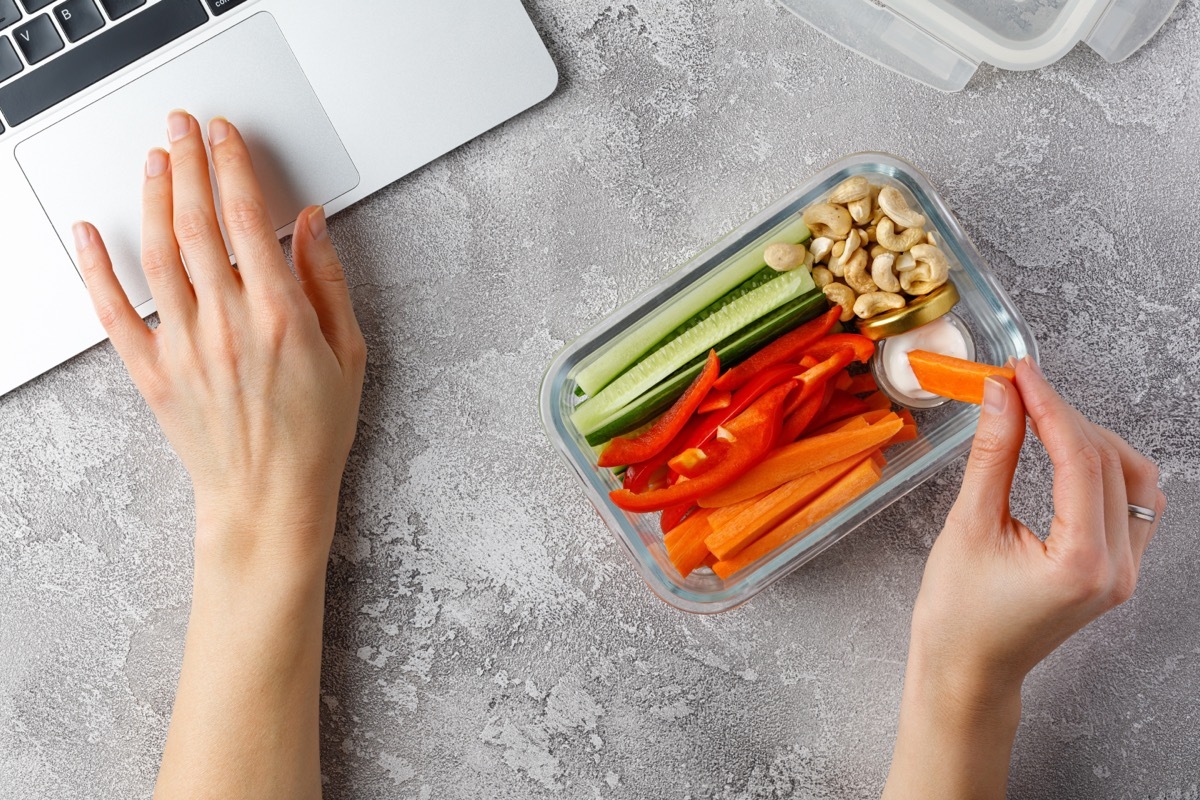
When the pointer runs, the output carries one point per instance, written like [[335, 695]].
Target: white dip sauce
[[938, 336]]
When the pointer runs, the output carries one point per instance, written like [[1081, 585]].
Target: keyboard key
[[119, 8], [219, 7], [99, 57], [9, 13], [78, 18], [10, 62], [35, 5], [37, 39]]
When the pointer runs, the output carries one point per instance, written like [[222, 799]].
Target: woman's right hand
[[996, 599]]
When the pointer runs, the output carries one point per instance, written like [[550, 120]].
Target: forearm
[[955, 738], [245, 723]]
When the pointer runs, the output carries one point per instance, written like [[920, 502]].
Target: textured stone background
[[486, 637]]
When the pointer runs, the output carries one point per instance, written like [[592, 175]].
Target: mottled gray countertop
[[486, 637]]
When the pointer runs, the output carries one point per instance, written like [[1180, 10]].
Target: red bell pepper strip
[[788, 347], [716, 400], [808, 362], [800, 420], [841, 406], [814, 380], [862, 347], [667, 427], [701, 429], [756, 430], [674, 515]]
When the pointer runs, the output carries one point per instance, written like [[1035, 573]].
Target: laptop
[[336, 100]]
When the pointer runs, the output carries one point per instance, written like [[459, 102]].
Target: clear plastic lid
[[942, 42]]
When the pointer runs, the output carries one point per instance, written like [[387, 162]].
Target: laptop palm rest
[[91, 165]]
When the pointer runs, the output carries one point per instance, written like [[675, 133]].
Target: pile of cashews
[[870, 253]]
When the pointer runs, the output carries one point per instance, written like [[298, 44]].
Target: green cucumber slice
[[638, 341], [734, 349], [649, 371]]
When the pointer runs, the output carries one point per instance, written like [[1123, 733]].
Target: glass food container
[[996, 329], [942, 42]]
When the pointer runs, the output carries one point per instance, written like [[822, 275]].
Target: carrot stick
[[954, 377], [689, 550], [863, 384], [841, 405], [805, 456], [907, 434], [879, 458], [828, 503], [878, 401], [731, 536], [857, 422]]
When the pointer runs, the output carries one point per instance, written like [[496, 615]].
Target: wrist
[[284, 539]]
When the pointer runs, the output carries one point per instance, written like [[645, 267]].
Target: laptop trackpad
[[91, 165]]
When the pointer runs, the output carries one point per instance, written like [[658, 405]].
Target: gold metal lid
[[918, 312]]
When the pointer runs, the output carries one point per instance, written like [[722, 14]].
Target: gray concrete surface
[[486, 637]]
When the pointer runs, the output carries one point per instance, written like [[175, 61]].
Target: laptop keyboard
[[51, 51]]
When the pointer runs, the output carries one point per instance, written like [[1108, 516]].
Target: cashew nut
[[850, 246], [931, 238], [877, 250], [896, 207], [836, 265], [932, 270], [821, 247], [881, 272], [872, 233], [860, 209], [842, 295], [922, 280], [825, 219], [905, 262], [875, 303], [855, 188], [822, 277], [856, 273], [898, 243], [784, 256]]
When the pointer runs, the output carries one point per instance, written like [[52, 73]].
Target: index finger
[[1078, 465]]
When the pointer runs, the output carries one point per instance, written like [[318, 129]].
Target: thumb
[[987, 483]]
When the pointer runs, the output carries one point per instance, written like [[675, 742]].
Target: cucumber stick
[[731, 351], [638, 341], [696, 340]]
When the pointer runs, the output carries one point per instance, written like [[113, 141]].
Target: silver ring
[[1142, 513]]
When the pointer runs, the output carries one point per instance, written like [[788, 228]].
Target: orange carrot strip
[[878, 401], [672, 537], [732, 536], [690, 551], [907, 434], [954, 377], [879, 458], [857, 422], [801, 458], [863, 384], [848, 488]]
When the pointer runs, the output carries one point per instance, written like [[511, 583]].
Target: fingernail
[[316, 224], [1011, 363], [83, 235], [994, 396], [218, 131], [1035, 366], [157, 163], [179, 125]]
